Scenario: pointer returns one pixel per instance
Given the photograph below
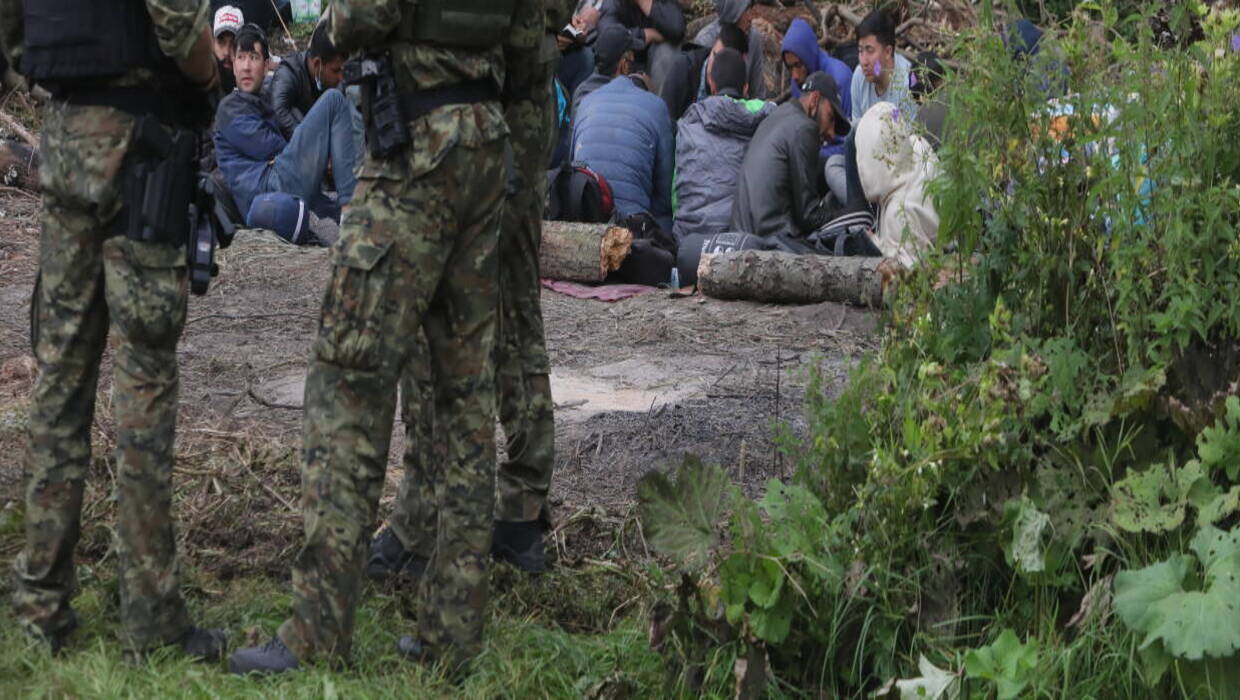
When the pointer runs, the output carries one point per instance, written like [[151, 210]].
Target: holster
[[158, 183]]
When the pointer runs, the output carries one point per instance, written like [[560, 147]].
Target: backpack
[[576, 193], [846, 235]]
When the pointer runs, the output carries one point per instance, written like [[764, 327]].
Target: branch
[[16, 127]]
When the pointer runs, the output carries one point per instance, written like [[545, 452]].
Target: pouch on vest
[[465, 24], [73, 39]]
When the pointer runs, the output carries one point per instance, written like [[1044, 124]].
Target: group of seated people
[[681, 130], [287, 142]]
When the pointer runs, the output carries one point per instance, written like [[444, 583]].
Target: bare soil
[[638, 385]]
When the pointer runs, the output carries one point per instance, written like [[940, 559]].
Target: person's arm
[[667, 18], [803, 176], [12, 31], [855, 90], [254, 137], [283, 100], [183, 34], [362, 24], [610, 14]]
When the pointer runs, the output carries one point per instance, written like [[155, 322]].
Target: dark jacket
[[777, 188], [247, 139], [624, 133], [665, 16], [730, 11], [292, 92], [711, 140]]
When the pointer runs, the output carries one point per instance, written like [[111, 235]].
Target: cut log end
[[582, 252], [616, 243]]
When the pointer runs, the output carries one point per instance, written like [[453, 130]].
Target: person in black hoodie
[[302, 77], [655, 29]]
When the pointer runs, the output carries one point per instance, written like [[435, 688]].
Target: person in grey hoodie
[[711, 140], [731, 12]]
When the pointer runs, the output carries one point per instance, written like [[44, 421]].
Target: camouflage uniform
[[417, 253], [521, 364], [91, 286]]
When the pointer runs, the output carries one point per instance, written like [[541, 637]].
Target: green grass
[[526, 654]]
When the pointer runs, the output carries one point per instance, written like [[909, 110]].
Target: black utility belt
[[415, 105], [164, 105]]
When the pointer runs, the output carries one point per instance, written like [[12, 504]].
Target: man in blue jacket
[[624, 133], [253, 154]]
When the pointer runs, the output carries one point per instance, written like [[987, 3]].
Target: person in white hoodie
[[895, 165]]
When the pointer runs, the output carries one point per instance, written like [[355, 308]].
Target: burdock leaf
[[681, 518]]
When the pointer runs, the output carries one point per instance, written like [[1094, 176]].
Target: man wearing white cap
[[228, 21]]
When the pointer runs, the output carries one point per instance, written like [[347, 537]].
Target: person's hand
[[587, 19], [653, 36]]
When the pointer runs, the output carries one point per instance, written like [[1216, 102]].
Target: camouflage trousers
[[526, 410], [90, 287], [416, 255]]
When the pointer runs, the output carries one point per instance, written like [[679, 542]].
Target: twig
[[271, 404], [16, 127], [288, 36], [249, 317], [18, 190]]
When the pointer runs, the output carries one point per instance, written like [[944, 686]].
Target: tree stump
[[582, 252], [786, 278]]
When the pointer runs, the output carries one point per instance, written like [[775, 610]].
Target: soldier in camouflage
[[95, 283], [521, 364], [417, 254]]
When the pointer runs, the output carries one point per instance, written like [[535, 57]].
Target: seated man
[[882, 75], [710, 145], [576, 56], [228, 20], [255, 157], [302, 77], [895, 164], [802, 56], [736, 13], [623, 133], [777, 189], [612, 57], [656, 28], [687, 84]]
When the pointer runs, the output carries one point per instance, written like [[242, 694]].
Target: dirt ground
[[638, 385]]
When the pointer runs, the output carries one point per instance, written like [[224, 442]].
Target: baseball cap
[[823, 84], [612, 43], [228, 19]]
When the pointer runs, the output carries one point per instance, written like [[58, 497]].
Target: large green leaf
[[1219, 445], [1030, 529], [681, 518], [1191, 624], [934, 683], [1006, 662], [773, 624], [1155, 500]]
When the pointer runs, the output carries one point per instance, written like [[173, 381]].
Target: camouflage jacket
[[178, 23]]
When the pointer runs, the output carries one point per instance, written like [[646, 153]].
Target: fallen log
[[582, 252], [19, 166], [786, 278]]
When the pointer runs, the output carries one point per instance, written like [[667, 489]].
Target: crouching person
[[254, 156], [895, 165]]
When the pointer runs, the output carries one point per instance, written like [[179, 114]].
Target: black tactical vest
[[68, 40]]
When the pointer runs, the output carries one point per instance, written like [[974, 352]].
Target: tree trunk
[[582, 252], [19, 166], [771, 276]]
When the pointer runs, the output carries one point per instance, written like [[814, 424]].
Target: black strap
[[136, 100], [419, 104]]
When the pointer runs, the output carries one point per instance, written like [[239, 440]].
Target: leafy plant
[[1005, 662]]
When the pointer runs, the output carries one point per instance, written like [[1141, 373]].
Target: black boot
[[520, 544], [58, 640], [389, 559], [271, 658], [203, 645]]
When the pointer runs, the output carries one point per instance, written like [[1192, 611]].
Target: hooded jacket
[[776, 191], [247, 139], [803, 43], [895, 164], [665, 16], [293, 92], [624, 133], [711, 140]]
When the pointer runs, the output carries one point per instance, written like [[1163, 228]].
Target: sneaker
[[203, 645], [325, 230], [390, 560], [520, 544], [271, 658]]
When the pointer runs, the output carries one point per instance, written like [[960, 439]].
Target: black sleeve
[[284, 100], [803, 176]]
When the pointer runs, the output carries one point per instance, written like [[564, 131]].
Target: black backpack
[[576, 193]]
